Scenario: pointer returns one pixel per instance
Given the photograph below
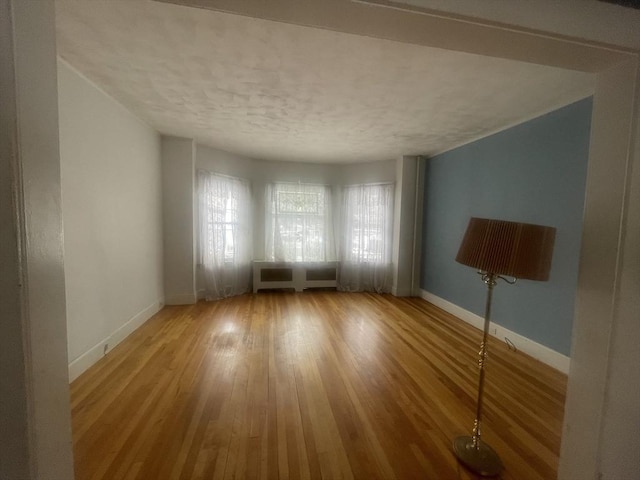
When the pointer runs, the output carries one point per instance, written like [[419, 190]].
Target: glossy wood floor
[[313, 385]]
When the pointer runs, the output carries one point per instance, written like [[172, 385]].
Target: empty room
[[338, 239]]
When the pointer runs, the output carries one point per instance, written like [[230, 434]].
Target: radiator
[[297, 276]]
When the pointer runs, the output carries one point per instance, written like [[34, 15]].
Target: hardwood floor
[[312, 385]]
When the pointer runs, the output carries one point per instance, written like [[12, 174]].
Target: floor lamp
[[498, 249]]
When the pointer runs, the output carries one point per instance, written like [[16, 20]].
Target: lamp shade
[[519, 250]]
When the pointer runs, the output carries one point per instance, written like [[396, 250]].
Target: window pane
[[298, 220], [367, 223], [223, 198], [297, 202]]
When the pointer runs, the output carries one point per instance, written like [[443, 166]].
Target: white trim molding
[[95, 353], [536, 350]]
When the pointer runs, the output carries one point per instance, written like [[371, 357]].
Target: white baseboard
[[536, 350], [95, 353], [181, 299]]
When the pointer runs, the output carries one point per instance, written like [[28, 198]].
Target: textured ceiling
[[277, 91]]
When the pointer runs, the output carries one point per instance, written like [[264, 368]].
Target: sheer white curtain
[[224, 240], [367, 231], [298, 223]]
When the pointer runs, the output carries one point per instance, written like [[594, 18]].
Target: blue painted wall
[[534, 172]]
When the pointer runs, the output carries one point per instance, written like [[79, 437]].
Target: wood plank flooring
[[308, 386]]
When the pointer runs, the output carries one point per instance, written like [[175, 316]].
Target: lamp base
[[482, 459]]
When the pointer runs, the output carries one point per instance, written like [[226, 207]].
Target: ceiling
[[277, 91]]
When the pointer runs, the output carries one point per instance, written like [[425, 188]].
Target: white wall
[[404, 225], [110, 167], [178, 183], [620, 442], [601, 410], [35, 438], [358, 173]]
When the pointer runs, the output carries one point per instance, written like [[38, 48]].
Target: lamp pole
[[472, 451], [490, 280]]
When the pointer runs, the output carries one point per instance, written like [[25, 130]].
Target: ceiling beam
[[387, 20]]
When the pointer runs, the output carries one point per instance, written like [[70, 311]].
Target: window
[[221, 223], [298, 223], [367, 229], [224, 240]]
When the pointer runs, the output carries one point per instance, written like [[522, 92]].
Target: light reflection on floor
[[362, 331]]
